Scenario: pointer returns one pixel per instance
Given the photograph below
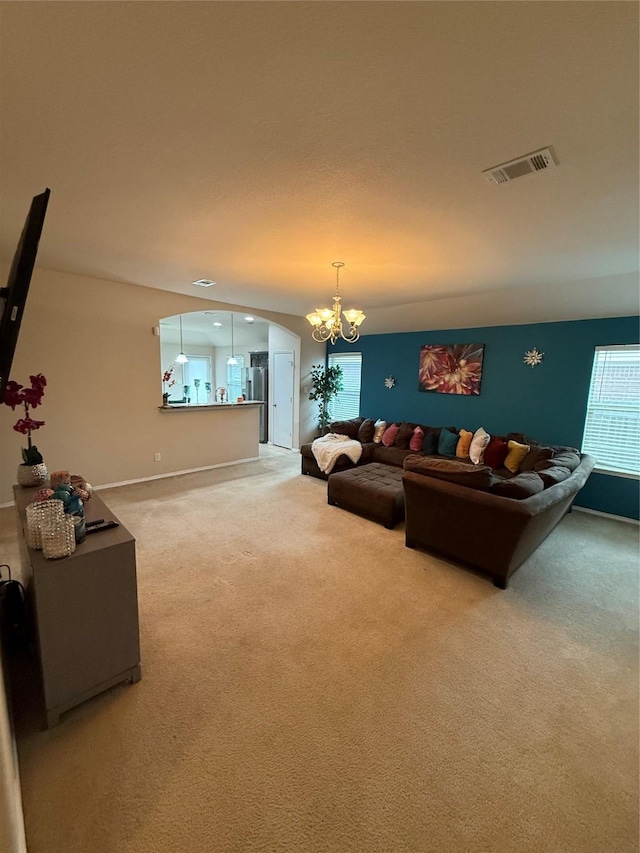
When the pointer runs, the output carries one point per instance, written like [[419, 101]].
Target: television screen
[[14, 296]]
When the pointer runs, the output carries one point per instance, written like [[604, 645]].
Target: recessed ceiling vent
[[537, 161]]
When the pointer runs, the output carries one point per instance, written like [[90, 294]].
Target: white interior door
[[282, 403]]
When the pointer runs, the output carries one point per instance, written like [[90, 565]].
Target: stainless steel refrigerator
[[256, 382]]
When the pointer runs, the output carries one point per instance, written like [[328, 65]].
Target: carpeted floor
[[310, 685]]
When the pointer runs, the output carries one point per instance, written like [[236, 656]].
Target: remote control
[[103, 525], [93, 523]]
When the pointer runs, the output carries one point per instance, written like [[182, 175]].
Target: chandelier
[[327, 322]]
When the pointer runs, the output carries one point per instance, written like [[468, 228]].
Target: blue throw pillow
[[447, 443]]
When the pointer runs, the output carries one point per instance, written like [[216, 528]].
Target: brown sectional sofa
[[491, 520]]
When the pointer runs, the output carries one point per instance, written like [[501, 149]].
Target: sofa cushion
[[516, 454], [349, 427], [537, 453], [522, 486], [366, 431], [447, 443], [521, 438], [464, 444], [389, 455], [478, 446], [495, 452], [389, 435], [378, 431], [554, 475], [451, 470], [416, 440], [405, 432], [566, 459]]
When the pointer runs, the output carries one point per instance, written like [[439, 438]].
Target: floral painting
[[451, 368]]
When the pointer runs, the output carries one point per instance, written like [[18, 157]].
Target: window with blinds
[[347, 403], [234, 379], [612, 425]]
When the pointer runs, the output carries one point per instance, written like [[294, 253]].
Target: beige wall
[[93, 341]]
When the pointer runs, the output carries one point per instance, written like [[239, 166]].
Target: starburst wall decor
[[533, 357], [389, 382]]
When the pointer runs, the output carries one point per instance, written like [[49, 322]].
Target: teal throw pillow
[[447, 443]]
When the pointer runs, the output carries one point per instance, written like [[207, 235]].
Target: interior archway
[[209, 340]]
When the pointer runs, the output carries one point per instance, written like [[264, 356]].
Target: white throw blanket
[[327, 449]]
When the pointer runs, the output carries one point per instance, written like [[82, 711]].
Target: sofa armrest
[[493, 533]]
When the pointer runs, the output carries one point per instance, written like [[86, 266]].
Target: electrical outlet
[[158, 457]]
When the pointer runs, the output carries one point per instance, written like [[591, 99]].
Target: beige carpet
[[310, 684]]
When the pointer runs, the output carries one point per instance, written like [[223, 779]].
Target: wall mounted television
[[14, 296]]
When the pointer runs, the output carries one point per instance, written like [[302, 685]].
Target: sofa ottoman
[[374, 490]]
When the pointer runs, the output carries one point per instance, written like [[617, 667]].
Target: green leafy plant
[[327, 383]]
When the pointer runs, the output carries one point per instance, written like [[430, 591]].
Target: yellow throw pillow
[[464, 443], [516, 454]]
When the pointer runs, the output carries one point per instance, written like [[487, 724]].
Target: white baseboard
[[163, 476], [605, 514], [175, 473]]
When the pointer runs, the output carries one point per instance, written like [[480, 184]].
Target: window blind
[[235, 373], [612, 424], [347, 403]]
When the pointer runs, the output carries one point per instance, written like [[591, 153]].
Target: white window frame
[[347, 404], [202, 395], [612, 422], [237, 386]]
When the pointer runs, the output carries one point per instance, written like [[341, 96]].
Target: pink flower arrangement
[[167, 378], [17, 395]]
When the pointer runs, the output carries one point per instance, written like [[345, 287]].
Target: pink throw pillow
[[390, 435], [416, 440]]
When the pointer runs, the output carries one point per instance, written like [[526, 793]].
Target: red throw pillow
[[390, 435], [416, 440], [495, 453]]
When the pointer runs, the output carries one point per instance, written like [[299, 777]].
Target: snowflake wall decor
[[533, 357], [389, 382]]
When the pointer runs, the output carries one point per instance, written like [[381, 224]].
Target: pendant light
[[181, 359], [232, 359]]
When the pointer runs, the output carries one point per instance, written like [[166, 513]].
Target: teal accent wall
[[548, 402]]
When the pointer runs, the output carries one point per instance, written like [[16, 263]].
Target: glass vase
[[58, 535], [37, 512]]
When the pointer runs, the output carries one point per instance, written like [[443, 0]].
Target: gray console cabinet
[[85, 609]]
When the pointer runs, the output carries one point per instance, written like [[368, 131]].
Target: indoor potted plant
[[327, 382], [167, 382], [32, 471]]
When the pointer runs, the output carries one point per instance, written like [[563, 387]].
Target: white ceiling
[[255, 143]]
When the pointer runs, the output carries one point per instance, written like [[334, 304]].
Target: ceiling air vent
[[204, 282], [537, 161]]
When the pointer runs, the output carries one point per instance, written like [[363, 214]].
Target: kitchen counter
[[248, 404]]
